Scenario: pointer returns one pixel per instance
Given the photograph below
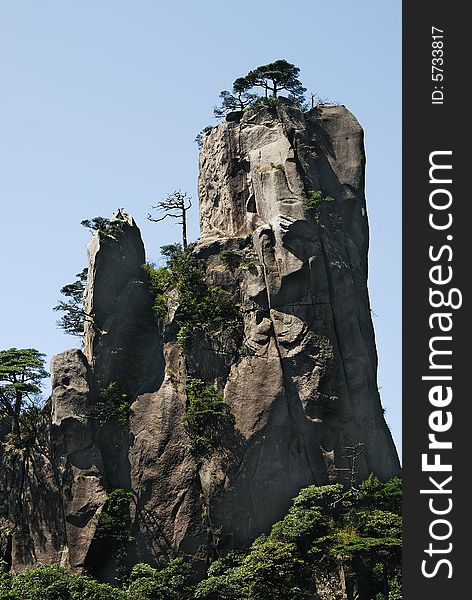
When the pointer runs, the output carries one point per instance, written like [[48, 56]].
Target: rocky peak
[[284, 239], [117, 302]]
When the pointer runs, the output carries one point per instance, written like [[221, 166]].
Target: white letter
[[437, 466], [436, 568]]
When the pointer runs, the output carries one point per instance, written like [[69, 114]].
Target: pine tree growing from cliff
[[238, 100], [273, 78], [21, 373], [175, 205], [73, 319]]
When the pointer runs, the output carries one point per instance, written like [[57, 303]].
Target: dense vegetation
[[200, 306], [327, 530], [207, 417], [45, 582]]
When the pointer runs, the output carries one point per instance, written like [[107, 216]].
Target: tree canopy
[[103, 225], [96, 224], [273, 78], [238, 100], [21, 374]]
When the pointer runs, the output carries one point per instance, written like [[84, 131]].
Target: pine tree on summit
[[273, 78]]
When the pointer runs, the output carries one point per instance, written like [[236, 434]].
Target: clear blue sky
[[101, 101]]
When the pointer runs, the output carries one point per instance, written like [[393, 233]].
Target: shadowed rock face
[[77, 459], [284, 230], [121, 342]]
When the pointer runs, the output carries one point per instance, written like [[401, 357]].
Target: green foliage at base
[[46, 582], [275, 571], [325, 525], [112, 405], [52, 582], [326, 528], [381, 496], [207, 417]]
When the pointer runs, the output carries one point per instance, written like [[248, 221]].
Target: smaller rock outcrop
[[78, 459], [119, 342]]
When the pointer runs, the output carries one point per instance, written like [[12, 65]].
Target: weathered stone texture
[[299, 375]]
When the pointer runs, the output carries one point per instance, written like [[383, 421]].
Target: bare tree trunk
[[16, 430], [16, 418], [184, 229]]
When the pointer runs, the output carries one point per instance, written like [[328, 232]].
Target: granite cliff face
[[284, 231]]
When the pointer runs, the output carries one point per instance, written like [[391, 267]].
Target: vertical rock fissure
[[288, 384]]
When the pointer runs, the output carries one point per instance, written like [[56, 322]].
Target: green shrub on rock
[[170, 583], [274, 571], [315, 198], [199, 306], [207, 417], [160, 282], [114, 528], [112, 405]]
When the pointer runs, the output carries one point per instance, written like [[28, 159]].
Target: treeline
[[349, 539]]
